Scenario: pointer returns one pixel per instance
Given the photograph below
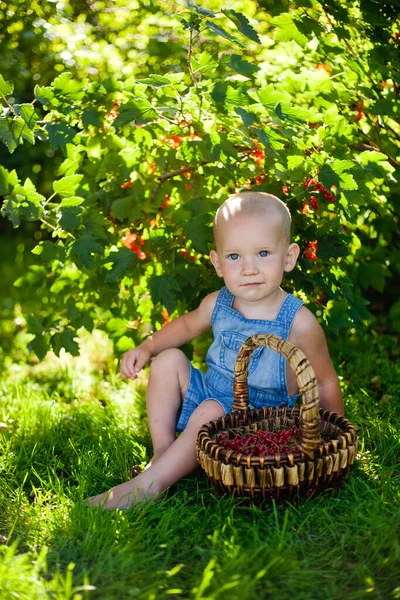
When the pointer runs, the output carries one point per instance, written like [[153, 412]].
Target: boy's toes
[[101, 500]]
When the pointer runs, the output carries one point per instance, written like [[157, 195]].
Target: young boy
[[253, 250]]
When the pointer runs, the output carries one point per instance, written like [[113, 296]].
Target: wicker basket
[[327, 444]]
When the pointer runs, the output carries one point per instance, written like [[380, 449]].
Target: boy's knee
[[171, 359], [208, 410]]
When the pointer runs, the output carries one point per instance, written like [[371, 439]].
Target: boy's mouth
[[251, 284]]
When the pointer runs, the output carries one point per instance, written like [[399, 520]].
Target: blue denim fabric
[[267, 368]]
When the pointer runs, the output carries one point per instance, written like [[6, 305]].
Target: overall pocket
[[230, 346]]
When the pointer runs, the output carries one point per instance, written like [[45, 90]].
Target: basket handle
[[309, 421]]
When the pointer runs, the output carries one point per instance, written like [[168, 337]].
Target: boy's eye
[[263, 253], [233, 256]]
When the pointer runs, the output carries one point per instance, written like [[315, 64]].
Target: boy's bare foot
[[126, 494]]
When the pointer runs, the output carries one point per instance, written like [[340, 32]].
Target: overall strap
[[225, 298], [288, 310]]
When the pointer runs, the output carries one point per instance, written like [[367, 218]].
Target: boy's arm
[[306, 333], [177, 332], [183, 329]]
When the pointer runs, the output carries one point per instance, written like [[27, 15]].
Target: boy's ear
[[215, 261], [291, 257]]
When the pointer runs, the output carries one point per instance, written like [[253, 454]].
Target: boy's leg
[[176, 462], [168, 382]]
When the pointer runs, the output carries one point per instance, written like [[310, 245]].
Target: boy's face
[[252, 255]]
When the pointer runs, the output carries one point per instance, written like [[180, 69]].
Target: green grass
[[69, 431]]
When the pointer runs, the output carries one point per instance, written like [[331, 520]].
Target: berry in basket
[[260, 442]]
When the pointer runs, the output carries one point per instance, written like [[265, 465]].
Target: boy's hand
[[133, 361]]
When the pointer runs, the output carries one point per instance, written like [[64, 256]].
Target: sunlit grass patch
[[61, 442]]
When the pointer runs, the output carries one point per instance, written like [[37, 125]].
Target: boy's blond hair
[[252, 204]]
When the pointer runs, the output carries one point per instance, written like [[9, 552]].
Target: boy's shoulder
[[208, 303], [202, 314], [305, 328]]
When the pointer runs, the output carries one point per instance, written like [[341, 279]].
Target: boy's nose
[[249, 267]]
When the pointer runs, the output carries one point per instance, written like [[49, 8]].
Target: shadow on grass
[[326, 547]]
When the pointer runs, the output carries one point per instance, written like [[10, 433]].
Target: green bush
[[190, 108]]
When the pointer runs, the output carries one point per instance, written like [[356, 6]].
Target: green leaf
[[226, 94], [247, 117], [85, 247], [70, 217], [227, 147], [186, 24], [242, 66], [124, 344], [373, 274], [287, 30], [164, 289], [290, 113], [347, 182], [84, 320], [60, 135], [91, 116], [158, 239], [340, 166], [155, 80], [126, 208], [205, 63], [35, 323], [123, 262], [69, 166], [205, 12], [294, 161], [388, 107], [45, 95], [70, 89], [49, 251], [212, 141], [72, 311], [243, 24], [6, 87], [28, 114], [11, 132], [40, 345], [219, 31], [67, 186], [10, 210], [72, 201], [23, 203], [269, 96], [270, 139], [332, 173], [94, 147], [111, 85], [8, 180], [65, 340], [199, 232], [191, 152], [140, 110], [331, 247], [116, 327], [372, 156]]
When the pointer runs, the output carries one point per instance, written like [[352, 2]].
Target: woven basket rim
[[213, 449]]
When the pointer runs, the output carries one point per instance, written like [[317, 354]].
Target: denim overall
[[267, 368]]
